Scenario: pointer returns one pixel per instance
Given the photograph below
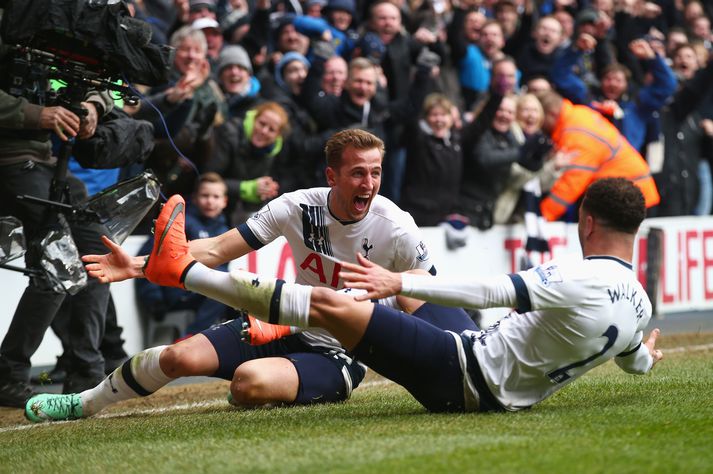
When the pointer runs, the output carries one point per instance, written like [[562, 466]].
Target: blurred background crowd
[[451, 86]]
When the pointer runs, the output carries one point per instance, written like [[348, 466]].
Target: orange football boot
[[257, 333], [170, 257]]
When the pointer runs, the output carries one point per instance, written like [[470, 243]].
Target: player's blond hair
[[354, 138]]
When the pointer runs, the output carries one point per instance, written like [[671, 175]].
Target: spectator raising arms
[[434, 162]]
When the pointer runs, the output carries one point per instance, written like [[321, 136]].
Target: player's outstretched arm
[[650, 343], [375, 279], [215, 251], [117, 265]]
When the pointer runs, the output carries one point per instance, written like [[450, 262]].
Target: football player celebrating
[[323, 226], [572, 314]]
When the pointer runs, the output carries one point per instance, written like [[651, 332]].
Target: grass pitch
[[607, 421]]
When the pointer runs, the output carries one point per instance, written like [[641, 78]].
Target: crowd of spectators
[[453, 87]]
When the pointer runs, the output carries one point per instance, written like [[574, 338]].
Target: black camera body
[[97, 38], [86, 45]]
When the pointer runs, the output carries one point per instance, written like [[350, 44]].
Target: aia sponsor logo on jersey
[[326, 270]]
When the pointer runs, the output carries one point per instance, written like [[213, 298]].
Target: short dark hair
[[617, 67], [502, 60], [351, 137], [617, 203]]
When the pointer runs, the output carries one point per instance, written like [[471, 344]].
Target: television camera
[[86, 46]]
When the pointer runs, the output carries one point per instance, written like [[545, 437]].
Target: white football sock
[[273, 300], [214, 284], [238, 289], [294, 305], [267, 299], [139, 376]]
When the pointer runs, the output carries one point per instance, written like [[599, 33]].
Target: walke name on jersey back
[[627, 292]]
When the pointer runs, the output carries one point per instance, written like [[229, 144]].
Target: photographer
[[27, 168]]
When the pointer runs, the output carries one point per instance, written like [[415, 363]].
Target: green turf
[[605, 422]]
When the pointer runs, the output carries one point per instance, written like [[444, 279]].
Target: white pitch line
[[218, 402], [183, 406], [700, 347], [215, 403]]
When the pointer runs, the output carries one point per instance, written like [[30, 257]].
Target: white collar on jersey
[[610, 257]]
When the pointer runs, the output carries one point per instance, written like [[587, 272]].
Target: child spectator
[[204, 218]]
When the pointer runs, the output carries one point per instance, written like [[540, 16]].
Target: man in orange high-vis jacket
[[597, 150]]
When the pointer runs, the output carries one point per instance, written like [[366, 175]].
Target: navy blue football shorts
[[325, 375], [418, 355], [444, 317]]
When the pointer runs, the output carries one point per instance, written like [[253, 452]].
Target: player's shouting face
[[354, 184]]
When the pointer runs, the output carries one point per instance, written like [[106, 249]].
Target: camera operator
[[27, 168]]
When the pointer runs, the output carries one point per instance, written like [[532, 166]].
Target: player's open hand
[[651, 343], [117, 265], [376, 280]]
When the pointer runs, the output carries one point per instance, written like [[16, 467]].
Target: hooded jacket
[[598, 151]]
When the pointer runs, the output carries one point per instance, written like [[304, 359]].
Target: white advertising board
[[686, 281]]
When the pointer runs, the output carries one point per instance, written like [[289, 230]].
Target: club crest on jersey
[[314, 231], [259, 214], [549, 274], [366, 247], [422, 252]]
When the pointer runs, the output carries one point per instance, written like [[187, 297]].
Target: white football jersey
[[387, 236], [572, 315]]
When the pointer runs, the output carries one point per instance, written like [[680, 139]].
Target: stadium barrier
[[684, 269]]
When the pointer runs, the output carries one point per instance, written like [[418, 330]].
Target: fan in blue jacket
[[632, 114], [336, 28]]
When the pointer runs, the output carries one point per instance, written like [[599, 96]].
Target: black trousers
[[112, 345], [39, 305]]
